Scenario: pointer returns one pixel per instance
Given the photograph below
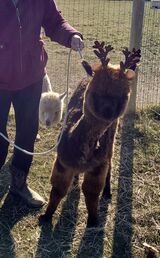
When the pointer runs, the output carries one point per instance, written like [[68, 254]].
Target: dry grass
[[109, 21], [131, 218]]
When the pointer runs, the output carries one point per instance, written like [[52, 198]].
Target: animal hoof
[[92, 222], [38, 137]]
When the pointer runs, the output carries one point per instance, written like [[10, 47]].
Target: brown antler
[[102, 51], [131, 59]]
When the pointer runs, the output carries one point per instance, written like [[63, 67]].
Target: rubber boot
[[19, 187]]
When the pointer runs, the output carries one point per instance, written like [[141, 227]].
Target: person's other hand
[[77, 43]]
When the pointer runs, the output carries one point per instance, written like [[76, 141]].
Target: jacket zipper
[[20, 32]]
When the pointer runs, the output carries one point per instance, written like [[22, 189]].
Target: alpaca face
[[109, 107], [108, 93], [51, 108]]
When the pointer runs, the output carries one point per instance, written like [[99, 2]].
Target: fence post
[[135, 42]]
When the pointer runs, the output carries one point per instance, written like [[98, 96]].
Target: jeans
[[26, 106]]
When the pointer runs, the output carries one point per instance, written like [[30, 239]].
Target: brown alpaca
[[88, 138]]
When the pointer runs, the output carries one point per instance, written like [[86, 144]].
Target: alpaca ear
[[63, 95], [95, 67], [130, 74], [87, 68]]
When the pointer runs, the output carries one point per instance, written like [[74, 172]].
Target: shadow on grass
[[122, 236], [4, 180], [11, 212], [56, 242], [92, 243]]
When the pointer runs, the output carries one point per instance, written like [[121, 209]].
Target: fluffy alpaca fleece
[[87, 141], [51, 104], [51, 108], [46, 87]]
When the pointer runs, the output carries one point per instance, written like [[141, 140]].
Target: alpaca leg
[[107, 189], [92, 186], [61, 180]]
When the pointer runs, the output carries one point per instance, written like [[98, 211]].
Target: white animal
[[51, 108], [46, 87], [51, 104]]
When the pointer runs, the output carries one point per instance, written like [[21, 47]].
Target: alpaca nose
[[48, 123]]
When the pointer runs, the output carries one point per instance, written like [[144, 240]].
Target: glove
[[77, 43]]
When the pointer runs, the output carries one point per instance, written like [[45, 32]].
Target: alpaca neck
[[86, 133], [90, 127]]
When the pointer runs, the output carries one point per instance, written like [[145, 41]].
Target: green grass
[[131, 218]]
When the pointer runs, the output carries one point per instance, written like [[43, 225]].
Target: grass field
[[133, 215], [109, 21]]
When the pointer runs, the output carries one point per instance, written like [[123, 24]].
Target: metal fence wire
[[109, 21]]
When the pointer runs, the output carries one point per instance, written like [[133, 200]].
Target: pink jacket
[[22, 55]]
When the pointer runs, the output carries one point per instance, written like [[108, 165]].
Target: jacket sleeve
[[55, 26]]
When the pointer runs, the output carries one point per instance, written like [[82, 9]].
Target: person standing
[[22, 67]]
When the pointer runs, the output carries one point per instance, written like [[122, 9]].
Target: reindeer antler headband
[[131, 58], [102, 52]]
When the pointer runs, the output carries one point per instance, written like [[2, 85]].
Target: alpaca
[[87, 141], [51, 108], [46, 86], [51, 104]]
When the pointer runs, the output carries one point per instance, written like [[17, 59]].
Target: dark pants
[[26, 107]]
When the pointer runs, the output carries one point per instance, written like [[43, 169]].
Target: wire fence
[[109, 21], [149, 80]]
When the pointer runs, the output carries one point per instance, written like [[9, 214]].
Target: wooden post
[[135, 42]]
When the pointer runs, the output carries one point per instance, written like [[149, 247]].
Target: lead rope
[[54, 148]]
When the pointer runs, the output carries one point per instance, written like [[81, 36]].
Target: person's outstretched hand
[[77, 43]]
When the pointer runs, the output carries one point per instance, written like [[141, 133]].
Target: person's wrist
[[77, 42]]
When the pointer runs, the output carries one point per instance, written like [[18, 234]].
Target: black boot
[[19, 187]]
